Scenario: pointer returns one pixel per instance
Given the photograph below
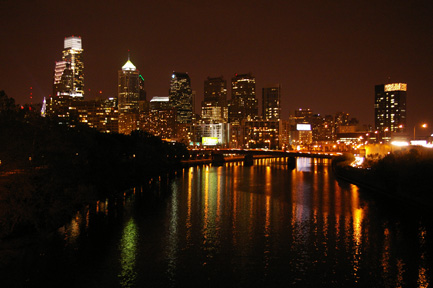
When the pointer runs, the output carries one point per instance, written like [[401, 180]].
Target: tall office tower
[[214, 106], [128, 97], [390, 108], [271, 97], [68, 86], [143, 95], [243, 104], [73, 56], [181, 97]]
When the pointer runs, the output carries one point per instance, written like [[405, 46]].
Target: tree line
[[47, 170]]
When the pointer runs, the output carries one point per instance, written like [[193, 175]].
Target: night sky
[[327, 55]]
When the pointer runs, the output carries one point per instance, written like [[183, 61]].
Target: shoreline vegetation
[[49, 171], [405, 175]]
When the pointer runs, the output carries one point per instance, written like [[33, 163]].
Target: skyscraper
[[214, 106], [73, 64], [68, 85], [390, 108], [128, 97], [243, 104], [271, 97], [181, 97]]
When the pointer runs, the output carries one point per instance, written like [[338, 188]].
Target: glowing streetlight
[[424, 125]]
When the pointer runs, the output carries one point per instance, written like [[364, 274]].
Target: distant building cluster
[[222, 122]]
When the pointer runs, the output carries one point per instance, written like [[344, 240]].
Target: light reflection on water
[[269, 225], [128, 249]]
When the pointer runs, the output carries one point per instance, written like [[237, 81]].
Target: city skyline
[[327, 57]]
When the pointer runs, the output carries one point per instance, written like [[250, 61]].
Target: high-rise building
[[214, 105], [73, 56], [160, 119], [181, 97], [271, 97], [243, 104], [390, 108], [68, 85], [128, 97], [303, 115]]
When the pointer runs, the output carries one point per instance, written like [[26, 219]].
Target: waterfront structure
[[271, 97], [390, 109], [322, 127], [243, 103], [214, 106], [262, 134], [128, 97], [181, 99], [219, 132]]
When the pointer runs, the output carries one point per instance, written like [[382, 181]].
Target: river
[[237, 226]]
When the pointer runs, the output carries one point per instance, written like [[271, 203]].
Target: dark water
[[236, 226]]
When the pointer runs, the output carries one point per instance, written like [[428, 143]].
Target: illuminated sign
[[209, 141], [303, 127], [396, 87]]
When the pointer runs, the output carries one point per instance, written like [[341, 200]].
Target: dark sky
[[327, 55]]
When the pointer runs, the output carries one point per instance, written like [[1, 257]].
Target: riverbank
[[403, 176], [48, 171]]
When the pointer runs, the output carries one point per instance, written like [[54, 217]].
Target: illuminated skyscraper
[[243, 104], [181, 97], [271, 97], [128, 98], [214, 106], [69, 73], [390, 108], [68, 86]]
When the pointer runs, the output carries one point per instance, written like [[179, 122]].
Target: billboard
[[209, 141], [303, 127], [395, 87]]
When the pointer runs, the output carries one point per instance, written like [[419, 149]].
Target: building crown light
[[129, 66]]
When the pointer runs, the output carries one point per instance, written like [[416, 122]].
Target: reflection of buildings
[[181, 97], [128, 98], [390, 108]]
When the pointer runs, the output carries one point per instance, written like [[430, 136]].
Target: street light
[[424, 125]]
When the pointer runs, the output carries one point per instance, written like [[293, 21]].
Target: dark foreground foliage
[[49, 170], [405, 174]]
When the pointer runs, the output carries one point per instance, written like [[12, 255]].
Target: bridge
[[218, 157]]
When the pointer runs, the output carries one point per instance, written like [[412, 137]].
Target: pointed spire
[[128, 65]]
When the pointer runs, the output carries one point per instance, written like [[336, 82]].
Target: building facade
[[390, 108], [128, 97], [181, 99], [72, 64], [68, 84], [271, 97], [214, 105], [243, 103]]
